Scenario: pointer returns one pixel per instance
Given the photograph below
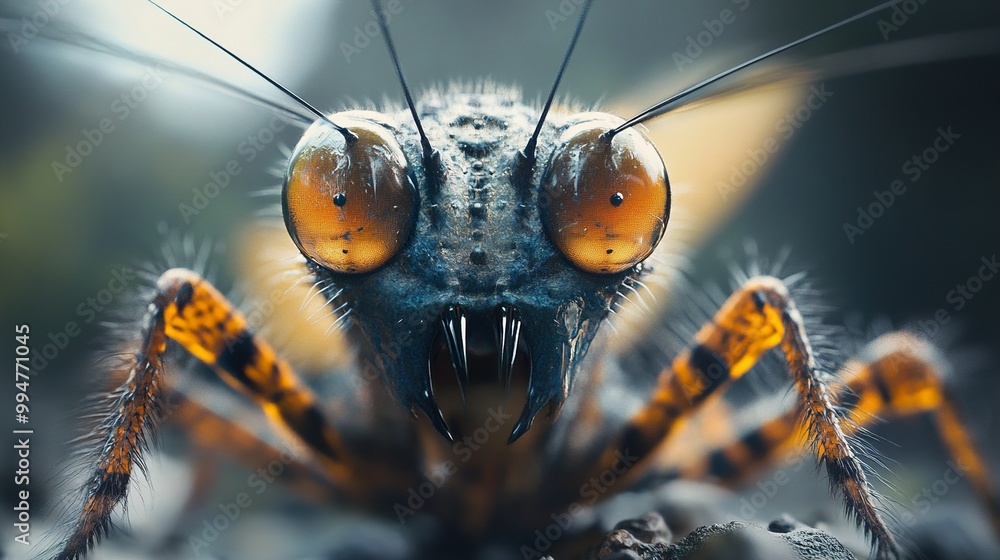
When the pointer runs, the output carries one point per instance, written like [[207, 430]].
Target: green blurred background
[[62, 239]]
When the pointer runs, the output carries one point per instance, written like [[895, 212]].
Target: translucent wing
[[712, 153], [719, 146], [713, 144]]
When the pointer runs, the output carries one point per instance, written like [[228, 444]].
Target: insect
[[462, 325]]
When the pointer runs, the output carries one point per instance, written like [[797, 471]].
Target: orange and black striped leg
[[773, 443], [215, 436], [189, 311], [759, 317], [897, 375], [901, 375]]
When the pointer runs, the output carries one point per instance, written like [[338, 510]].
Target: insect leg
[[902, 375], [897, 375], [189, 311], [215, 435], [759, 317]]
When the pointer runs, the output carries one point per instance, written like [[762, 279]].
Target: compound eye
[[350, 206], [605, 204]]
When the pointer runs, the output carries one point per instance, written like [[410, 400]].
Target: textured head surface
[[479, 249]]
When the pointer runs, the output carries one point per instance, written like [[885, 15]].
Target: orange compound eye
[[605, 204], [350, 206]]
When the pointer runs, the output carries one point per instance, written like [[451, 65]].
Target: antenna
[[429, 153], [348, 135], [665, 105], [529, 149]]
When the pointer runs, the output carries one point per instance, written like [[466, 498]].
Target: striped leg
[[215, 436], [897, 375], [759, 317], [189, 311]]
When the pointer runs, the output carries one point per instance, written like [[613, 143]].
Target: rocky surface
[[648, 538]]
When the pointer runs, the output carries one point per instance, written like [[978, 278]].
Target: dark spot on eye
[[617, 199], [609, 251], [759, 300], [361, 228], [477, 210], [340, 199], [478, 256], [344, 251]]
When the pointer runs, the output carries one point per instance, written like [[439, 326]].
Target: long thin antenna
[[424, 142], [348, 135], [665, 105], [529, 149]]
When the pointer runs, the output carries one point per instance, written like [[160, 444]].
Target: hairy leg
[[897, 375], [759, 317], [188, 311]]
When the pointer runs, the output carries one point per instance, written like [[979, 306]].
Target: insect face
[[491, 265], [467, 267]]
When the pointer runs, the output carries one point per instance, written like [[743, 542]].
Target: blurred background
[[67, 223]]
